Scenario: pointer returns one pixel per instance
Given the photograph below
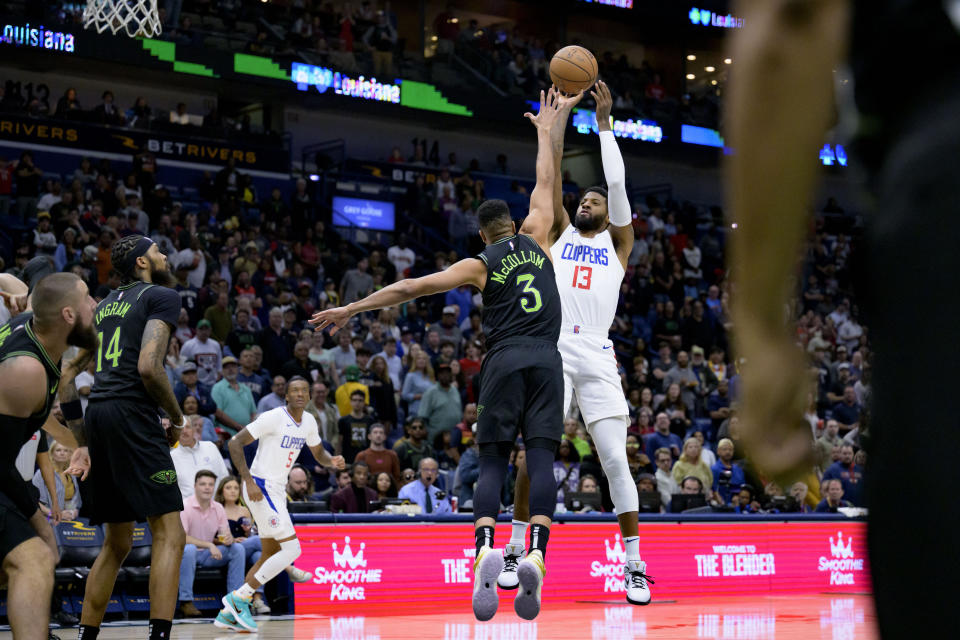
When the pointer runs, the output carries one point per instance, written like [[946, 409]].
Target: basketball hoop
[[138, 18]]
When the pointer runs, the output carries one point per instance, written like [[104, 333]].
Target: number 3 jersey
[[589, 274], [280, 440], [121, 318], [520, 298]]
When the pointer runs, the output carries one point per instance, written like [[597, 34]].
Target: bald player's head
[[62, 301]]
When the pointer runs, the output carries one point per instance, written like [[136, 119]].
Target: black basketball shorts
[[15, 528], [521, 391], [132, 476]]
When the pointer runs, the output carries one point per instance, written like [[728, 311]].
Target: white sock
[[246, 591], [518, 533], [633, 547]]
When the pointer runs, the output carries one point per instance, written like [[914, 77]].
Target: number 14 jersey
[[589, 275], [120, 319]]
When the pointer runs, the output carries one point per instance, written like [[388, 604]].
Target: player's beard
[[587, 222], [162, 277], [82, 336]]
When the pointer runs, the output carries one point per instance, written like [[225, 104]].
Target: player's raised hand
[[16, 304], [601, 95], [338, 462], [566, 102], [335, 318], [79, 463], [549, 112]]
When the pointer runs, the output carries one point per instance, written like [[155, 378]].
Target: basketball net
[[138, 18]]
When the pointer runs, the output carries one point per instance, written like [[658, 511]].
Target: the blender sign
[[842, 563]]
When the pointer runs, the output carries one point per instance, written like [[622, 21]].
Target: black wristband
[[72, 410]]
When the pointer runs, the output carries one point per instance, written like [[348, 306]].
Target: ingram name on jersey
[[520, 298], [280, 440], [589, 275]]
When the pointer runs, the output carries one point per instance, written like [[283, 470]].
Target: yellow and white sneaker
[[486, 569], [530, 573]]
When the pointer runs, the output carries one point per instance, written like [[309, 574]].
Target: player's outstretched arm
[[153, 352], [540, 220], [561, 219], [782, 91], [14, 293], [614, 172], [468, 271]]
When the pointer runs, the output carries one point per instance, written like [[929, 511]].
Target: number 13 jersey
[[589, 275], [520, 298], [121, 318]]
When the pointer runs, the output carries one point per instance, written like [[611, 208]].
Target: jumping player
[[590, 258], [282, 432], [132, 477], [521, 382], [31, 346]]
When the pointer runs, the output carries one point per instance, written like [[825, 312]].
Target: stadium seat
[[80, 543]]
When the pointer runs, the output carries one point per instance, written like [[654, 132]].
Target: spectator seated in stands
[[833, 489], [826, 444], [235, 406], [355, 498], [727, 475], [299, 485], [847, 413], [666, 485], [662, 437], [849, 473], [423, 492], [570, 427], [378, 458], [67, 486], [386, 487], [745, 501], [440, 405], [345, 391], [209, 542], [566, 469], [274, 399], [192, 454], [647, 485], [190, 385], [692, 464], [206, 352], [354, 426]]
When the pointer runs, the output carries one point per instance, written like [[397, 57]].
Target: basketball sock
[[246, 591], [484, 537], [88, 633], [539, 535], [518, 533], [160, 629], [289, 551], [633, 547]]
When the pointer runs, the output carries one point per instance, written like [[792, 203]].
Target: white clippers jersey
[[589, 275], [280, 440]]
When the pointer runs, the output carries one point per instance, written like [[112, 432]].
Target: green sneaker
[[225, 620], [240, 610]]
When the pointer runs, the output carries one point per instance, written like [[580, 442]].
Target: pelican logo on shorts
[[479, 410], [167, 476]]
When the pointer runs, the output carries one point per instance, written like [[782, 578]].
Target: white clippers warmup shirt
[[280, 440], [589, 275]]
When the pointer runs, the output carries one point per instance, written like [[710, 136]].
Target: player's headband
[[129, 261]]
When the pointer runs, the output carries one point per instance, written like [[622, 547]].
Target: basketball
[[573, 69]]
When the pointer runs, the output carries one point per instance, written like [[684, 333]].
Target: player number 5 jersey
[[280, 440], [589, 275]]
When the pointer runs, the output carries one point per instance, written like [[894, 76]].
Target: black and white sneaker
[[512, 555], [635, 581]]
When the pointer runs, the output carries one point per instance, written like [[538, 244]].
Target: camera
[[724, 478]]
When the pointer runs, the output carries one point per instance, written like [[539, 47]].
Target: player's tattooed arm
[[70, 397], [153, 352]]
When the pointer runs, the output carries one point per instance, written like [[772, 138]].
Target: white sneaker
[[486, 568], [260, 607], [299, 575], [512, 554], [635, 581], [530, 572]]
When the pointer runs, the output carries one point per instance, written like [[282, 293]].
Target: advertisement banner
[[428, 565], [164, 145]]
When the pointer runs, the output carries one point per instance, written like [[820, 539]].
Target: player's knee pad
[[289, 551], [493, 470], [543, 486], [291, 548], [610, 437]]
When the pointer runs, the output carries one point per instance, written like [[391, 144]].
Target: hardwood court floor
[[826, 617]]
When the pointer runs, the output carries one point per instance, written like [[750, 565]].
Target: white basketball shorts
[[270, 514]]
